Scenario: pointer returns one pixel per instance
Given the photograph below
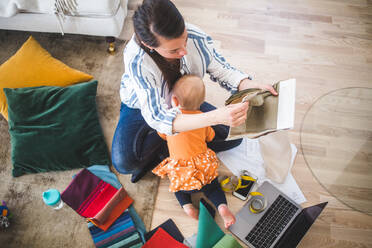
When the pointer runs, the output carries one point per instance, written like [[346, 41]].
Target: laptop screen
[[299, 226]]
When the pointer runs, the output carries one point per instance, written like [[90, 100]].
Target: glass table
[[336, 139]]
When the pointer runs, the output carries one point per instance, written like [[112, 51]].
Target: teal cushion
[[55, 128]]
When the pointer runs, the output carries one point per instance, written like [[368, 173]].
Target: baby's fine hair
[[190, 92]]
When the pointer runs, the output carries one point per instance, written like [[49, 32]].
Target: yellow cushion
[[33, 66]]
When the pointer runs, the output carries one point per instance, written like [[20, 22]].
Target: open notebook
[[267, 113]]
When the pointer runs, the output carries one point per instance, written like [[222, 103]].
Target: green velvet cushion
[[55, 128]]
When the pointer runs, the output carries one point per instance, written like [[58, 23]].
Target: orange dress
[[191, 164]]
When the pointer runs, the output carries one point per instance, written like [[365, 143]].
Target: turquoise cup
[[52, 198]]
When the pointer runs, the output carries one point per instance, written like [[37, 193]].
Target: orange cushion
[[33, 66]]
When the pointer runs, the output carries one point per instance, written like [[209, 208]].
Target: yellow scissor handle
[[247, 178]]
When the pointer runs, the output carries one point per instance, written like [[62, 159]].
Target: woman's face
[[174, 48]]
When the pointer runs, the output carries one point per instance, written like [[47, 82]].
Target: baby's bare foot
[[191, 211], [227, 216]]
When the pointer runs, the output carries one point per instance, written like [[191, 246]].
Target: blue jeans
[[137, 147]]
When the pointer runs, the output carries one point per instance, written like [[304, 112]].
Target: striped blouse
[[143, 86]]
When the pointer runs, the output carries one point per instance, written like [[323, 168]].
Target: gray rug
[[34, 224]]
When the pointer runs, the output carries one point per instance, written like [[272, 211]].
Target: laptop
[[283, 223]]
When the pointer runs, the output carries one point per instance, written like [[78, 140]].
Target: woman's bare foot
[[227, 216], [191, 211]]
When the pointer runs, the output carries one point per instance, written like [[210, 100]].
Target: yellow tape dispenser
[[257, 202]]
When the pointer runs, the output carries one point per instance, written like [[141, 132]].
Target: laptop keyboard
[[272, 223]]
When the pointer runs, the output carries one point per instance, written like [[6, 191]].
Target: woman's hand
[[232, 115], [248, 84]]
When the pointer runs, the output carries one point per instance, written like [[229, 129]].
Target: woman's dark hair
[[162, 18]]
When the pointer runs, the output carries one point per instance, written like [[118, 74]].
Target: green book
[[210, 234]]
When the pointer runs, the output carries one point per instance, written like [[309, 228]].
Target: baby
[[191, 166]]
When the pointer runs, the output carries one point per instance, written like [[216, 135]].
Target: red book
[[161, 239]]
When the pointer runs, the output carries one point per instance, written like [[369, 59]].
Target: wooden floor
[[325, 45]]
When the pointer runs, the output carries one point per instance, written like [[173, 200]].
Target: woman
[[161, 51]]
